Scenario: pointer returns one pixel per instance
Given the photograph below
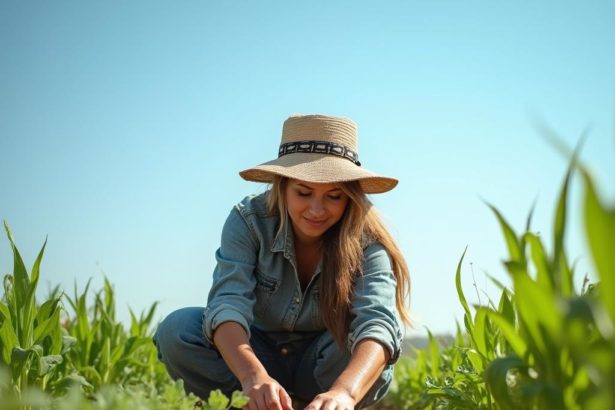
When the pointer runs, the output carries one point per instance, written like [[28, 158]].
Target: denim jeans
[[304, 364]]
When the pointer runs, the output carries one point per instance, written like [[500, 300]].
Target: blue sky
[[123, 126]]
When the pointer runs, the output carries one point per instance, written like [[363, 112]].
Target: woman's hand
[[334, 399], [265, 394]]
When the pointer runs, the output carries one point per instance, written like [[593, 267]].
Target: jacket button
[[284, 350], [297, 300]]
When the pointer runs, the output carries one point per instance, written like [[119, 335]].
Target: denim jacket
[[255, 283]]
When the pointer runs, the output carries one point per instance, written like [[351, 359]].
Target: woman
[[308, 295]]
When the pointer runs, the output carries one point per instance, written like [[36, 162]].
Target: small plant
[[104, 352]]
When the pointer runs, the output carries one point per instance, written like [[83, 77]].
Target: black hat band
[[319, 147]]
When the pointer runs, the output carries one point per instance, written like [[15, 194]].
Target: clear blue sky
[[123, 126]]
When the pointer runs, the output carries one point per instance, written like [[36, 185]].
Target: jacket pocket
[[266, 287]]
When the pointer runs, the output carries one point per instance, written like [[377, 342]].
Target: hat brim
[[319, 168]]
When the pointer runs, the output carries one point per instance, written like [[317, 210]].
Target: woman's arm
[[264, 392], [366, 364], [374, 336]]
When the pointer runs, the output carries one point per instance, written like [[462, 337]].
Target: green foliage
[[50, 359], [442, 376], [103, 350], [563, 348], [31, 338], [546, 345]]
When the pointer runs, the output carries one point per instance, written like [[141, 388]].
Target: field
[[543, 345]]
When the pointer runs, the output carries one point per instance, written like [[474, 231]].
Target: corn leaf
[[544, 275], [480, 333], [600, 231], [505, 308], [462, 298], [46, 364], [538, 309], [20, 358], [434, 355], [8, 337], [30, 309], [516, 341], [47, 327], [21, 286], [514, 248], [47, 309], [476, 359], [497, 375]]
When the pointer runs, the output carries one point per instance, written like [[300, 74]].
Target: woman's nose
[[316, 207]]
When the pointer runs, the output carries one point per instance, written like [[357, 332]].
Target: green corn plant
[[564, 351], [31, 338], [598, 354], [105, 352], [145, 363], [438, 377], [547, 345], [49, 360]]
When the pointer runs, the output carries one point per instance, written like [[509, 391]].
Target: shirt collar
[[284, 241]]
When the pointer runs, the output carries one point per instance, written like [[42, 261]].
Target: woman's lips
[[315, 223]]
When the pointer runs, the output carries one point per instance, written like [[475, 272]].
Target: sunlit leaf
[[217, 400], [561, 270], [239, 400], [544, 274], [600, 231], [514, 248], [462, 299], [434, 354], [480, 333], [511, 334]]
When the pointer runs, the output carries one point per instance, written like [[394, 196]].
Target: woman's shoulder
[[374, 252], [254, 204], [369, 243], [252, 210]]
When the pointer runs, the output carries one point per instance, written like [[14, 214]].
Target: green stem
[[23, 382]]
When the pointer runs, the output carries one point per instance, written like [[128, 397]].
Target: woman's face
[[314, 208]]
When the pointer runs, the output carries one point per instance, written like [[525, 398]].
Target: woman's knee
[[178, 332]]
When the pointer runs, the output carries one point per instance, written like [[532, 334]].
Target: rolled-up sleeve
[[374, 312], [231, 297]]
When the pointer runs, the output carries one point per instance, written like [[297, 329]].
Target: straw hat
[[319, 149]]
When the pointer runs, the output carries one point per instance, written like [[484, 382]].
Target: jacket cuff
[[381, 332], [214, 318]]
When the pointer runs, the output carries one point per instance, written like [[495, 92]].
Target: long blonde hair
[[343, 255]]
